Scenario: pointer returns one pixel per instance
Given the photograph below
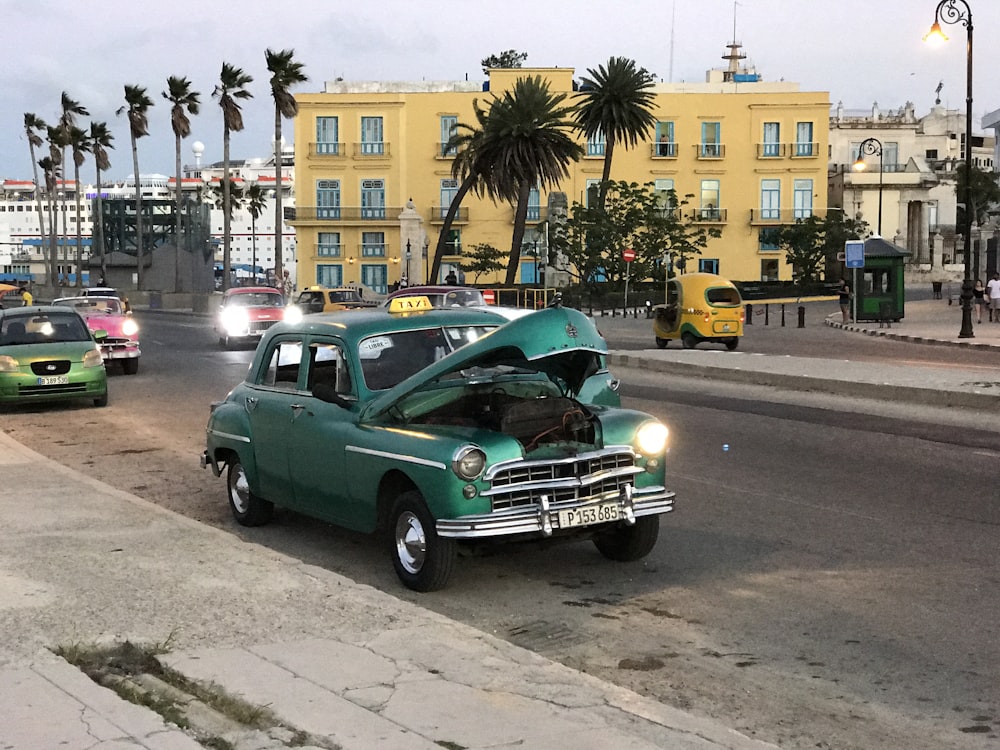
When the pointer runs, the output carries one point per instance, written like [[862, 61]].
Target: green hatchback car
[[441, 428], [47, 353]]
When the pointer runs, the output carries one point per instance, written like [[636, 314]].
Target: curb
[[889, 334]]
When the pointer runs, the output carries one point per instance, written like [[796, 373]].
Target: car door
[[274, 404], [318, 436]]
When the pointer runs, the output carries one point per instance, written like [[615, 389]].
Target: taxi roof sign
[[410, 304]]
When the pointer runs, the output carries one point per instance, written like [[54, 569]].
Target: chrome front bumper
[[543, 518]]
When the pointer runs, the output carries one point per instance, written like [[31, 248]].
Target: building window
[[329, 275], [769, 269], [593, 192], [328, 245], [666, 197], [449, 126], [708, 265], [772, 140], [371, 136], [375, 276], [709, 210], [803, 203], [711, 140], [328, 199], [931, 153], [770, 199], [373, 199], [327, 135], [373, 244], [534, 205], [804, 145], [768, 240], [595, 144], [665, 143], [449, 189]]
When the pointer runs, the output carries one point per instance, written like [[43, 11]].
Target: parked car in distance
[[314, 299], [442, 296], [247, 312], [699, 307], [47, 353], [108, 314], [442, 427], [107, 291]]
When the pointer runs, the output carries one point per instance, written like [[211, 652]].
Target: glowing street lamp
[[872, 147]]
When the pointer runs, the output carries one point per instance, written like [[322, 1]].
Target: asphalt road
[[827, 580]]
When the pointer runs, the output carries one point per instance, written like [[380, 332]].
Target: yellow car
[[700, 307], [314, 299]]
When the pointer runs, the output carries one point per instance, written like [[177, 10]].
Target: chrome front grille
[[587, 477], [259, 326]]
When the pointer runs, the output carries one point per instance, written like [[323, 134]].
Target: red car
[[443, 296], [108, 314], [246, 312]]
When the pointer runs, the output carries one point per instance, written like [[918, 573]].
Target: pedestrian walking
[[993, 288], [979, 300], [844, 294]]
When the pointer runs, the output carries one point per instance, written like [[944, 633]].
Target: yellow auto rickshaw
[[699, 307]]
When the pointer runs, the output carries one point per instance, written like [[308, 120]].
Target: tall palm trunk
[[41, 211], [99, 230], [177, 213], [138, 215], [279, 217], [520, 217], [609, 151], [449, 219], [227, 263], [79, 228]]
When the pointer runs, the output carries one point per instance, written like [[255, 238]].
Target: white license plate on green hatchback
[[589, 515], [54, 380]]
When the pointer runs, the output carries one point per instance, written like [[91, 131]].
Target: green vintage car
[[47, 353], [442, 428]]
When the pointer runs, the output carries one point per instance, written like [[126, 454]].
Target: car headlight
[[93, 358], [468, 463], [130, 327], [652, 438], [7, 363], [235, 320], [293, 314]]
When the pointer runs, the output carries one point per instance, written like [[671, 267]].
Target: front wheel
[[423, 560], [131, 366], [101, 401], [689, 340], [661, 343], [625, 543], [247, 508]]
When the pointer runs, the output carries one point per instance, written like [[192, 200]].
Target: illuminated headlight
[[293, 314], [469, 463], [93, 358], [130, 327], [235, 320], [652, 438], [7, 363]]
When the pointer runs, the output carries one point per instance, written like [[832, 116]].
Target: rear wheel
[[627, 543], [689, 340], [423, 560], [661, 343], [731, 344], [247, 508], [131, 366]]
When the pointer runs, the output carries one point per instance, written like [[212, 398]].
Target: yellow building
[[753, 155]]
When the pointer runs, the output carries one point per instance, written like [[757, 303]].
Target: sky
[[858, 51]]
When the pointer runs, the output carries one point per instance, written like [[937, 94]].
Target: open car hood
[[561, 342]]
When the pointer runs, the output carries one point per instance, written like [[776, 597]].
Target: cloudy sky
[[858, 51]]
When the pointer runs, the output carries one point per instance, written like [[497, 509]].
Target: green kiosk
[[878, 286]]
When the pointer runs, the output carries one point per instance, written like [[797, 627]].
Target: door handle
[[251, 403]]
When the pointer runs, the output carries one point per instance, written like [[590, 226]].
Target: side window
[[327, 366], [284, 361]]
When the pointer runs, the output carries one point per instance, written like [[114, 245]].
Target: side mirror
[[326, 392], [100, 334]]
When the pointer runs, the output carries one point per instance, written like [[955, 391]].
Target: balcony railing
[[771, 150], [341, 213], [710, 150], [709, 215], [327, 250], [443, 152], [327, 149], [770, 215], [438, 214], [663, 150], [371, 150], [804, 150], [535, 214]]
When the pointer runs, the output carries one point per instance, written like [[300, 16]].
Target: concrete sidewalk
[[339, 663]]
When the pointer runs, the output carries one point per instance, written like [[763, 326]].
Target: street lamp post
[[872, 147], [953, 12]]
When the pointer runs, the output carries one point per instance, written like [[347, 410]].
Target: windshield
[[256, 299], [344, 296], [722, 296], [390, 358], [43, 329], [459, 298], [92, 305]]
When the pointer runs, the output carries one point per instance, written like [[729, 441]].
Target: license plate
[[54, 380], [725, 327], [589, 515]]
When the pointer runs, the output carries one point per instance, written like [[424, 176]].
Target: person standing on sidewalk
[[844, 293], [993, 287], [979, 300]]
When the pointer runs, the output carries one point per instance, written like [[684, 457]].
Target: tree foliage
[[811, 244], [985, 194], [483, 258], [507, 59]]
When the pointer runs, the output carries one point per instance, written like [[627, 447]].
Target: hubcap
[[239, 490], [411, 542]]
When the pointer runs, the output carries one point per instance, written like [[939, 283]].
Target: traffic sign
[[628, 255], [854, 251]]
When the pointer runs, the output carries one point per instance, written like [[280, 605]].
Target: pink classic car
[[108, 314]]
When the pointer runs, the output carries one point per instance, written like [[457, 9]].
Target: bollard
[[749, 314], [767, 314], [802, 316], [782, 314]]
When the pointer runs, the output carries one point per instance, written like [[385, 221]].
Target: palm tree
[[617, 101], [57, 138], [137, 105], [528, 140], [467, 168], [256, 202], [79, 142], [32, 124], [184, 101], [70, 109], [50, 170], [285, 73], [100, 142], [231, 87]]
